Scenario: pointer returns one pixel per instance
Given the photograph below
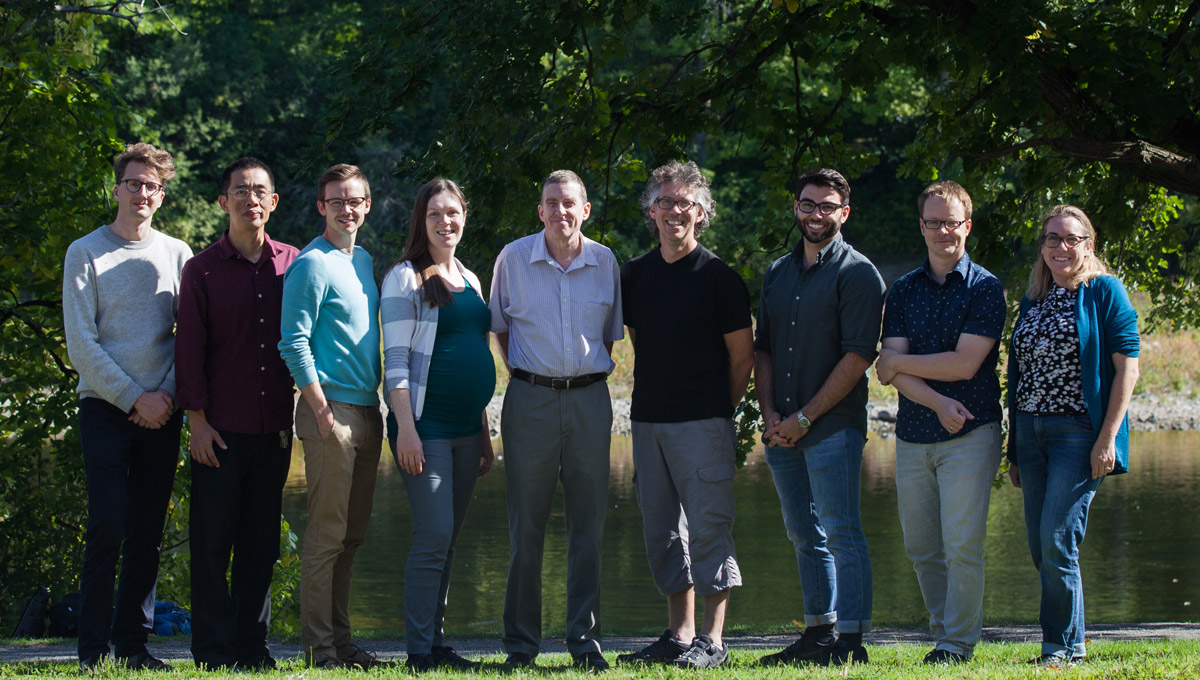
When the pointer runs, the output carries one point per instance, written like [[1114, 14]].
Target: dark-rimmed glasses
[[934, 225], [807, 207], [1053, 241], [135, 185]]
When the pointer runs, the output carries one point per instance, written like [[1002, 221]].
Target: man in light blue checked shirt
[[556, 311]]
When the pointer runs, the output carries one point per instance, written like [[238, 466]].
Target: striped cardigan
[[409, 329]]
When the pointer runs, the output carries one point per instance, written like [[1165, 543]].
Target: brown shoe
[[363, 660], [329, 663]]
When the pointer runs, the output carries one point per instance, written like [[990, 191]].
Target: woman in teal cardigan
[[1071, 371]]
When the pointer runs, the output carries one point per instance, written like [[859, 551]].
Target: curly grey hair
[[685, 174]]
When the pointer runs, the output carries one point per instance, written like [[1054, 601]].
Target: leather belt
[[559, 384]]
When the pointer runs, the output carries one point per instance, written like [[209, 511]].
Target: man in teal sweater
[[330, 342]]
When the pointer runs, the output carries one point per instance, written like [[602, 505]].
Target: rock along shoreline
[[1147, 413]]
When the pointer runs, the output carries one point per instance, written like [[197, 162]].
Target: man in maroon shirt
[[238, 395]]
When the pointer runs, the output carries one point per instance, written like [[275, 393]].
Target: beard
[[829, 229]]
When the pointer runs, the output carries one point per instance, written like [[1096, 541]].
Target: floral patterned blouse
[[1046, 347]]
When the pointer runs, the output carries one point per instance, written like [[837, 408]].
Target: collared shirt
[[227, 361], [557, 321], [808, 319], [932, 316]]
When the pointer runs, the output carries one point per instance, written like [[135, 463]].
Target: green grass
[[993, 661]]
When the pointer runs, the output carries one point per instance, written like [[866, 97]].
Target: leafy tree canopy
[[1027, 103]]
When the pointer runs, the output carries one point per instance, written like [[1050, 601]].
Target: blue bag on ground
[[171, 619]]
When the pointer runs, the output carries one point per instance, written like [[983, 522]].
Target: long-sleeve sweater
[[329, 333], [119, 303]]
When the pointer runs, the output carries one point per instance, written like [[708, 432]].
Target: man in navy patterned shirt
[[940, 331]]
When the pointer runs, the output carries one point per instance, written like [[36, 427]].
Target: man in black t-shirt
[[688, 315]]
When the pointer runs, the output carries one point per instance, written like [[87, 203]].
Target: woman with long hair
[[440, 375], [1072, 367]]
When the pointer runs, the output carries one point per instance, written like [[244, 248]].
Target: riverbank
[[176, 649], [1147, 413]]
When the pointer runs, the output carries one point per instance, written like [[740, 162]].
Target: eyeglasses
[[668, 203], [1052, 241], [934, 225], [244, 193], [807, 207], [135, 185], [335, 204]]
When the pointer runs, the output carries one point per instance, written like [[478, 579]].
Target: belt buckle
[[560, 384]]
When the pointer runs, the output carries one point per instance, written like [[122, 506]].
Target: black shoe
[[446, 657], [142, 661], [844, 651], [592, 662], [665, 649], [944, 657], [518, 660], [703, 654], [255, 664], [814, 648], [91, 665], [420, 663]]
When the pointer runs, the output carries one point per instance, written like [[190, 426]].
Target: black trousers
[[235, 508], [130, 472]]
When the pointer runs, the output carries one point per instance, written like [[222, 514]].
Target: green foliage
[[1026, 103], [57, 134]]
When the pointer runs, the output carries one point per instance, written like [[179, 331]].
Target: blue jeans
[[818, 487], [942, 491], [438, 498], [1056, 480]]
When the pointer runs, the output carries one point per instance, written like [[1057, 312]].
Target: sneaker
[[1056, 660], [592, 662], [944, 657], [420, 663], [446, 657], [517, 660], [844, 651], [363, 660], [142, 661], [703, 654], [810, 648], [665, 649]]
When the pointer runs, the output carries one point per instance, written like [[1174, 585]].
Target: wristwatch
[[803, 420]]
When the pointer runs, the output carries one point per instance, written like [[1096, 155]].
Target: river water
[[1140, 560]]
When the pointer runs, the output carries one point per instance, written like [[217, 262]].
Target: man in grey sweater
[[120, 292]]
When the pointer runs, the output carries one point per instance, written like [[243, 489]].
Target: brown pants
[[340, 475]]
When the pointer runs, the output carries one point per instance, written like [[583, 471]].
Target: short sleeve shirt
[[932, 316], [680, 312]]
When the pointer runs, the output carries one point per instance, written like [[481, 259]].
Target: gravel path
[[176, 649]]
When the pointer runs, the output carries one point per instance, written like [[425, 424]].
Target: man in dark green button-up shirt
[[818, 331]]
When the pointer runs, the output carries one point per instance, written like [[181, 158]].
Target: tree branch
[[1148, 161], [127, 10]]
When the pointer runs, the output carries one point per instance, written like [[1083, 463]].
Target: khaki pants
[[340, 475]]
